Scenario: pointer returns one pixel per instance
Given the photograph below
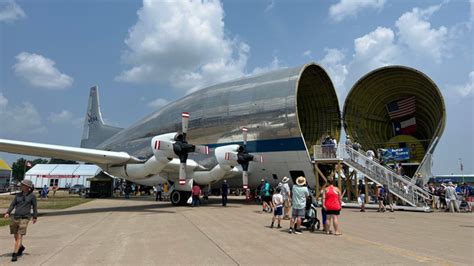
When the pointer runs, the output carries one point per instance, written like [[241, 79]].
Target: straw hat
[[301, 181], [27, 183], [285, 179]]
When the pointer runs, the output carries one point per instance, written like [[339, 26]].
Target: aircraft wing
[[67, 153]]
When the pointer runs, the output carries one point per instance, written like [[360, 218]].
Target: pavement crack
[[75, 238], [210, 239]]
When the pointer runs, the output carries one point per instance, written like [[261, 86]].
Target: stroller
[[464, 206], [311, 220]]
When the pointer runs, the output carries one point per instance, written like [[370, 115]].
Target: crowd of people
[[299, 205], [450, 197]]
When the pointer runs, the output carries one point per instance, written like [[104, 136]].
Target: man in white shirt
[[370, 154], [451, 198], [286, 194]]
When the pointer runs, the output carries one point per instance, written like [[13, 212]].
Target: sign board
[[400, 154]]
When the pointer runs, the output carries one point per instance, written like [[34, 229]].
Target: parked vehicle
[[77, 189]]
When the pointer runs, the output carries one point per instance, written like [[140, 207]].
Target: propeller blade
[[231, 156], [185, 122], [258, 158], [244, 133], [163, 145], [245, 179], [202, 149], [182, 173]]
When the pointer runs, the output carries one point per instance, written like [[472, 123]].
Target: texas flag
[[405, 127]]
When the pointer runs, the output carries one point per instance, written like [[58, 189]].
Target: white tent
[[61, 175]]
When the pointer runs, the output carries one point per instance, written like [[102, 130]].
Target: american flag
[[401, 108]]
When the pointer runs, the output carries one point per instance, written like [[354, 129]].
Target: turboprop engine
[[237, 154], [165, 147]]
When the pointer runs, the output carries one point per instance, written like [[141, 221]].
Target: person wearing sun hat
[[450, 196], [286, 193], [299, 194], [22, 203]]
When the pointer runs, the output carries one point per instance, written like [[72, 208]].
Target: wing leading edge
[[99, 157]]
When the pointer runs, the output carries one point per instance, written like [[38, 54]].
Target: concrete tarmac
[[141, 231]]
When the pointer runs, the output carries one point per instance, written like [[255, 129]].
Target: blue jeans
[[195, 201]]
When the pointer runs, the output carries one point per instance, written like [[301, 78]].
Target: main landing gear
[[179, 198]]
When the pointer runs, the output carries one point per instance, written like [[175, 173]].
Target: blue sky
[[138, 52]]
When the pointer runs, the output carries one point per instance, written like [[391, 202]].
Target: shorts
[[286, 203], [18, 226], [362, 197], [333, 212], [267, 199], [278, 211], [297, 213]]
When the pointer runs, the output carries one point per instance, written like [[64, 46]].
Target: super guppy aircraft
[[286, 112]]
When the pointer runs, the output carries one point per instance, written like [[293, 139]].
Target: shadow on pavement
[[155, 207], [152, 208]]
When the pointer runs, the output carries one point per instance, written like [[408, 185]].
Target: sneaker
[[362, 210], [290, 231], [271, 226], [20, 250], [279, 226], [14, 257], [298, 231]]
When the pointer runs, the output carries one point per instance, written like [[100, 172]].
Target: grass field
[[4, 222], [61, 200]]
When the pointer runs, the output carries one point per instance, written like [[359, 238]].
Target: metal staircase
[[398, 185]]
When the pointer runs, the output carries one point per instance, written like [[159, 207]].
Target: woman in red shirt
[[196, 191], [332, 201]]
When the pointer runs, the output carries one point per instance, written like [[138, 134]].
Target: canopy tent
[[62, 175]]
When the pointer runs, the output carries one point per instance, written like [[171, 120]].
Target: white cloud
[[10, 11], [307, 53], [377, 48], [157, 103], [274, 65], [337, 70], [40, 71], [23, 119], [61, 117], [416, 33], [466, 89], [270, 6], [350, 8], [3, 101], [183, 44], [65, 117]]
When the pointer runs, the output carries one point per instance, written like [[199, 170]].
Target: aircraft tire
[[179, 198]]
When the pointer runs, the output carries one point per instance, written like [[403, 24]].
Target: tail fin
[[95, 131]]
